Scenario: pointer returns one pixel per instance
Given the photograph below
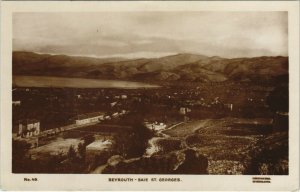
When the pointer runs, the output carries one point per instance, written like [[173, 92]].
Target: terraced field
[[227, 142]]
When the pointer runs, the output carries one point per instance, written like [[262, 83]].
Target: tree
[[136, 141], [88, 139], [81, 150], [71, 153]]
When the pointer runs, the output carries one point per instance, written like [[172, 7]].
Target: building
[[229, 106], [16, 103], [113, 104], [89, 118], [29, 128], [155, 126], [115, 115], [123, 112], [123, 96], [107, 117], [184, 110]]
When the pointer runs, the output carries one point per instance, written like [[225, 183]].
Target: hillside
[[180, 67]]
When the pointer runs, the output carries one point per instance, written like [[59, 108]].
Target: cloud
[[141, 42], [226, 34]]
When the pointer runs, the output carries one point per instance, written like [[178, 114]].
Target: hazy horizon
[[152, 34]]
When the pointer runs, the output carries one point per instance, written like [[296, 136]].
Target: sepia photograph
[[150, 93], [166, 96]]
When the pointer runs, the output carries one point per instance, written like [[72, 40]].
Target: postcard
[[118, 95]]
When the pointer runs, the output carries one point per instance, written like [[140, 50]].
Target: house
[[113, 104], [29, 128], [16, 103], [123, 112], [123, 96], [115, 115], [155, 126], [107, 117], [89, 118], [184, 110], [229, 106]]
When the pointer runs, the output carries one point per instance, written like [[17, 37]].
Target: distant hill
[[180, 67], [56, 65]]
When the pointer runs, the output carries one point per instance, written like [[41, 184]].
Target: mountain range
[[173, 68]]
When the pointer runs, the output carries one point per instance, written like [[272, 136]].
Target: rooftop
[[89, 115]]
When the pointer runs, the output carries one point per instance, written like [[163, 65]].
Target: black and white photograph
[[165, 95]]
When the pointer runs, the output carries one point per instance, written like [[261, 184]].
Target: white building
[[113, 104], [184, 110], [89, 118], [16, 103], [123, 112], [155, 126], [107, 117], [115, 115], [29, 128], [123, 96]]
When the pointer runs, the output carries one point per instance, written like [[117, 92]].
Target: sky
[[152, 34]]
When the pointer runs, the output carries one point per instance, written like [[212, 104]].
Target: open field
[[59, 146], [226, 126], [227, 142], [188, 128]]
